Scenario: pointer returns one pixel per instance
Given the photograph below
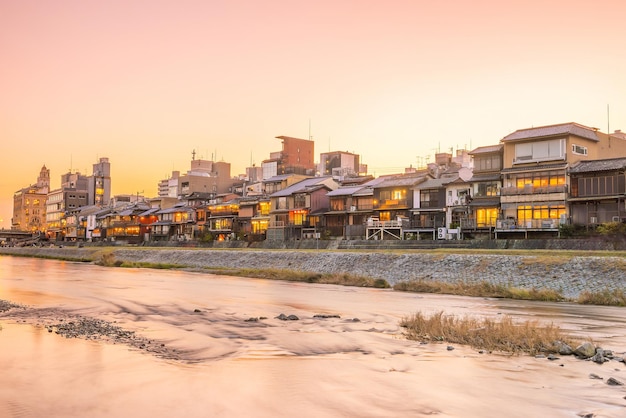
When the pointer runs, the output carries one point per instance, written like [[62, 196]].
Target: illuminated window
[[264, 208], [259, 226], [298, 217], [398, 194]]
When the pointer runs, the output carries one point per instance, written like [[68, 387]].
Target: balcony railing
[[527, 224], [392, 203], [503, 224], [529, 189], [384, 224], [426, 224]]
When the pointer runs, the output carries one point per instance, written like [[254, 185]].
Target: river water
[[218, 364]]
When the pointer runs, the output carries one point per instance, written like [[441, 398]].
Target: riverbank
[[185, 343], [568, 273]]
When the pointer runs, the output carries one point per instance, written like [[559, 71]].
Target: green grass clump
[[487, 334], [479, 289]]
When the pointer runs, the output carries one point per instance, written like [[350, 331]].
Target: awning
[[596, 198], [485, 202], [418, 210]]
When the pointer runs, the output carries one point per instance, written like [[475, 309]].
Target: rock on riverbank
[[570, 275]]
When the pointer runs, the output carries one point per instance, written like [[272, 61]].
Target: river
[[220, 363]]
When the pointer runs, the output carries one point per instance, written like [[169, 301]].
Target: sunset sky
[[146, 82]]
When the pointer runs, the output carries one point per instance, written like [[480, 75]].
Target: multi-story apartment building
[[339, 164], [204, 176], [483, 201], [296, 157], [29, 204], [535, 182], [99, 183], [72, 194]]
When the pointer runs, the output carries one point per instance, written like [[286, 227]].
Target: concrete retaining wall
[[567, 274]]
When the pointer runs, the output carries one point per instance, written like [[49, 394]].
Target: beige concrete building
[[204, 176], [534, 175], [29, 204]]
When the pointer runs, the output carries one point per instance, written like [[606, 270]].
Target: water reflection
[[311, 367]]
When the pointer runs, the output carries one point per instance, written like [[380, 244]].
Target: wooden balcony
[[530, 189]]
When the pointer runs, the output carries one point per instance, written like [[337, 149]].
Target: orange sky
[[146, 82]]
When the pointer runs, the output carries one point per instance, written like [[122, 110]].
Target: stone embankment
[[567, 274]]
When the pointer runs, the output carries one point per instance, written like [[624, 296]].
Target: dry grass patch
[[486, 334], [479, 289], [548, 261], [604, 297], [343, 279]]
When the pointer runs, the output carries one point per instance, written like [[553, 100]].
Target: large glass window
[[259, 226], [299, 200], [298, 217], [486, 217], [487, 189], [539, 151], [264, 208], [538, 180], [429, 198], [487, 163], [530, 212]]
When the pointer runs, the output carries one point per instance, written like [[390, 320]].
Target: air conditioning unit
[[615, 219], [441, 233]]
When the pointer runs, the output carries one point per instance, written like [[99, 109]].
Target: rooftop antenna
[[608, 126], [193, 155], [309, 129]]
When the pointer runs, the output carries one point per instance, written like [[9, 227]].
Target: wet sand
[[215, 363]]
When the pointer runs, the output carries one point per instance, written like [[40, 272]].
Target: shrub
[[480, 289], [108, 260], [572, 230], [488, 334], [612, 228], [604, 297]]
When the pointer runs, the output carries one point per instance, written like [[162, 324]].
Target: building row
[[528, 185]]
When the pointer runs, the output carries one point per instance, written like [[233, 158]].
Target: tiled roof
[[599, 165], [400, 180], [486, 149], [301, 186], [279, 177], [553, 130], [435, 183], [149, 212], [344, 191], [485, 177]]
